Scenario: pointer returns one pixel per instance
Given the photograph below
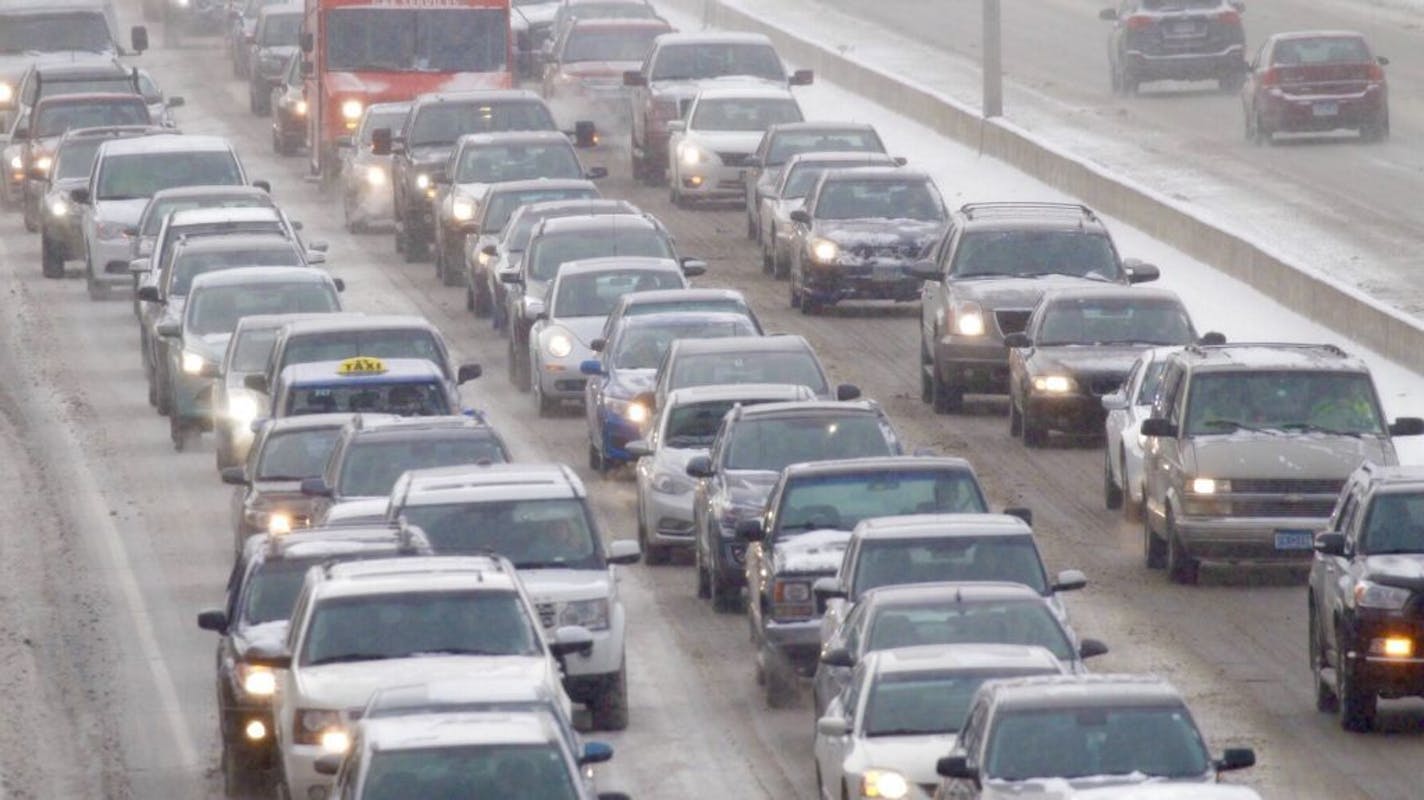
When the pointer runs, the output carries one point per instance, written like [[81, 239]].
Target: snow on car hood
[[625, 383], [817, 551], [910, 237], [268, 635], [1302, 456], [726, 141], [123, 212], [350, 685], [912, 756], [563, 585]]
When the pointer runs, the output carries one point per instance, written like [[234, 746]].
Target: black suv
[[1367, 595], [1176, 40], [986, 276]]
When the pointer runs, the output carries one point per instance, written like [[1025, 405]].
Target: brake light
[[1271, 77], [1138, 22], [1376, 73], [1229, 18]]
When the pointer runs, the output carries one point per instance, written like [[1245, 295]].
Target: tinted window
[[217, 309], [76, 158], [371, 468], [1283, 401], [536, 770], [294, 455], [789, 143], [697, 61], [1395, 524], [1075, 743], [794, 367], [187, 266], [842, 501], [254, 348], [141, 175], [1150, 382], [281, 30], [375, 627], [890, 562], [410, 399], [1029, 253], [517, 162], [771, 443], [52, 119], [845, 199], [501, 205], [595, 294], [47, 33], [443, 123], [1010, 622], [341, 345], [272, 590], [531, 533], [377, 120], [420, 40], [1323, 50], [921, 703]]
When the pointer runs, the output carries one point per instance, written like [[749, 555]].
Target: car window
[[272, 590], [52, 119], [1010, 622], [594, 294], [416, 398], [1394, 523], [699, 61], [141, 175], [1151, 381], [840, 501], [552, 250], [217, 309], [76, 158], [517, 162], [1034, 252], [771, 443], [788, 143], [294, 455], [341, 345], [530, 533], [381, 626], [1075, 743], [281, 30], [925, 703], [443, 123], [1101, 321], [643, 346], [84, 31], [783, 366], [501, 205], [1283, 400], [879, 199], [608, 44], [743, 113], [189, 265], [159, 210], [370, 468], [888, 562], [1320, 50], [488, 770]]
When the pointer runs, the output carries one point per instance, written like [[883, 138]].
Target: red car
[[1316, 81]]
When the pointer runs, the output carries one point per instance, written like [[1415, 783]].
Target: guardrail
[[1341, 307]]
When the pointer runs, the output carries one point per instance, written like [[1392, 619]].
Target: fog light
[[1393, 647], [256, 730], [692, 181], [1054, 384]]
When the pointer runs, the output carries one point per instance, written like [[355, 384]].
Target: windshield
[[53, 119], [1395, 524], [140, 175], [765, 366], [744, 114], [1322, 50], [187, 266], [341, 345], [1033, 253], [1077, 743], [272, 591], [413, 624], [609, 44], [531, 533], [849, 199], [890, 562], [496, 163], [76, 158], [687, 62], [985, 622], [440, 124], [696, 424], [841, 501], [159, 210], [552, 250], [500, 206], [773, 442], [1147, 392], [371, 468], [296, 454], [109, 84], [282, 30], [503, 770], [924, 703], [594, 294], [217, 309], [803, 176], [1108, 322], [86, 31], [1285, 400], [410, 399], [376, 120], [253, 349], [643, 346], [788, 143], [417, 40]]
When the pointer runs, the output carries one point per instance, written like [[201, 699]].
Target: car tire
[[1181, 567], [163, 400], [1325, 698], [609, 709], [768, 258], [51, 262], [944, 398], [1112, 493], [780, 689], [793, 292], [241, 778], [1035, 433], [752, 228], [449, 276], [178, 431], [1015, 420], [724, 596], [547, 406], [1154, 550], [1358, 704], [1377, 131], [704, 584], [518, 374]]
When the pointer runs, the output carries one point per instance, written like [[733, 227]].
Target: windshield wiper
[[1235, 425], [459, 651], [282, 477], [907, 732], [349, 657], [561, 564], [1308, 428], [1053, 273]]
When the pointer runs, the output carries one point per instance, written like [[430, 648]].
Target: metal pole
[[993, 61]]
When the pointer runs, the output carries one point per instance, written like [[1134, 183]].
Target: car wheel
[[610, 708], [1154, 550], [768, 257], [163, 400], [449, 276], [780, 690], [51, 262], [704, 585], [1015, 419], [945, 399], [1035, 433], [177, 431], [1112, 493], [1181, 567], [926, 367], [794, 291], [1377, 131], [1325, 698], [810, 305], [1358, 704], [547, 405]]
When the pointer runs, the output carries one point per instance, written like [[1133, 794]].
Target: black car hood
[[1404, 570], [1105, 360], [909, 237], [1012, 292], [279, 494]]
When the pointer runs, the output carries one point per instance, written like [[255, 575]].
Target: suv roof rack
[[1326, 347], [1012, 209]]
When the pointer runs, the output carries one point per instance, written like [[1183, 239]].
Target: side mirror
[[79, 196], [329, 764], [638, 448], [169, 329], [586, 136], [149, 294], [381, 141], [838, 657], [800, 215], [308, 42], [634, 78], [957, 767], [1117, 401], [595, 753], [1383, 62], [591, 366], [1091, 648], [900, 161], [676, 126], [1233, 758], [138, 38], [1015, 341], [468, 372], [1330, 543], [213, 619], [1108, 15], [339, 283], [1139, 271], [1212, 338], [270, 656], [750, 530], [347, 141], [624, 551], [265, 186], [315, 487], [692, 267], [1156, 426], [318, 246], [234, 476], [832, 727], [571, 639], [490, 250], [209, 370], [176, 101], [847, 391], [925, 271], [1407, 426], [700, 467], [596, 173], [1025, 514], [598, 344], [256, 382], [1070, 580], [802, 77]]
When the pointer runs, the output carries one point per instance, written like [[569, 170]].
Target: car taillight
[[1229, 18], [1138, 22], [1270, 77], [1376, 73], [791, 600]]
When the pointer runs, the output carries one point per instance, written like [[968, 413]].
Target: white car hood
[[912, 756], [346, 686], [726, 141], [563, 585], [120, 211]]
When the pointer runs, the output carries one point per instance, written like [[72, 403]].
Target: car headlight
[[591, 614], [422, 181], [279, 523], [376, 176], [193, 363], [969, 320], [558, 345], [1210, 486], [351, 110], [1369, 594], [58, 207], [321, 727], [110, 230], [1392, 647], [16, 162], [43, 163], [7, 93], [257, 681], [886, 783], [825, 250], [672, 483], [462, 209], [1054, 384], [690, 154], [300, 108], [242, 410]]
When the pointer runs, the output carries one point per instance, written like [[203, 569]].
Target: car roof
[[1030, 216], [87, 97], [737, 392], [1317, 34], [306, 422], [245, 276], [691, 295], [367, 425], [209, 191], [755, 88], [254, 322], [104, 67], [229, 242], [203, 216], [580, 205], [966, 657], [618, 264], [415, 573], [673, 318], [281, 8], [1112, 291], [1168, 791], [782, 343], [328, 372], [670, 39], [877, 173], [479, 96], [110, 131], [535, 184], [171, 143], [455, 696], [915, 594], [837, 156], [423, 731], [357, 509], [1404, 476], [805, 408], [586, 222], [819, 125], [622, 23], [315, 543], [494, 482], [512, 137], [356, 321], [877, 464], [928, 526], [1252, 356], [1075, 691]]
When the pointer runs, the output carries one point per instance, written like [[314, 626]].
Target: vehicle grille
[[735, 159], [1012, 320], [1282, 508], [907, 250], [547, 614], [1328, 486]]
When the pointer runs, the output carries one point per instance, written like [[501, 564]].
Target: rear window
[[371, 468], [595, 294], [443, 123], [217, 309], [341, 345], [502, 205], [840, 501], [686, 62], [772, 443], [188, 266], [789, 143], [55, 119], [159, 210], [497, 163], [414, 399], [1331, 50], [139, 175], [795, 367], [744, 114]]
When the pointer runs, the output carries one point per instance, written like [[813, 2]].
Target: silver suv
[[1248, 446]]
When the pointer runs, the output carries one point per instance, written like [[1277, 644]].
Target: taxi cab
[[408, 387]]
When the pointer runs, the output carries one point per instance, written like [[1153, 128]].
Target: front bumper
[[798, 642], [707, 181], [104, 251], [1245, 540], [977, 364], [832, 283], [562, 380], [1392, 677], [669, 518], [1316, 113], [260, 753], [618, 431], [1072, 413], [299, 770], [1187, 66]]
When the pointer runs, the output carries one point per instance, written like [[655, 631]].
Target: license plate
[[1325, 109], [1294, 540], [1183, 28]]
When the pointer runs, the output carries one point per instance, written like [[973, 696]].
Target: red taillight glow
[[1376, 73], [1229, 18], [1270, 78], [1138, 22]]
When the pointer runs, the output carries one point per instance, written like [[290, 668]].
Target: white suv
[[360, 627], [538, 517]]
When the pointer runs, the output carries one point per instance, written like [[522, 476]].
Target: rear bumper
[[1224, 63], [1313, 113]]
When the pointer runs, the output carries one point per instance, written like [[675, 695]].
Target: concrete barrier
[[1338, 306]]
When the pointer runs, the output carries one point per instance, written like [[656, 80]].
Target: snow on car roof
[[935, 525]]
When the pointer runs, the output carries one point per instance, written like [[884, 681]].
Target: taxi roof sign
[[361, 365]]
